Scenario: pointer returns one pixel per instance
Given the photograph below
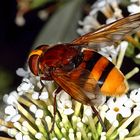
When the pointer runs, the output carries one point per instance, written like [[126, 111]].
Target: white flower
[[44, 95], [12, 114], [68, 111], [20, 21], [87, 110], [21, 72], [117, 107], [103, 136], [10, 111], [12, 132], [100, 4], [135, 95], [25, 86], [138, 56], [88, 23], [38, 135], [39, 113], [43, 14], [35, 95], [11, 99], [110, 20], [110, 52], [19, 136], [123, 133], [137, 108], [33, 108], [133, 8], [64, 103]]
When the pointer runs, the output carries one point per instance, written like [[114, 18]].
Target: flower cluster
[[29, 110], [109, 11], [104, 12], [29, 114]]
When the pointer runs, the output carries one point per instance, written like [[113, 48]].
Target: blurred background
[[15, 42]]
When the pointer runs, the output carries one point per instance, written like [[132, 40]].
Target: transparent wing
[[82, 88], [111, 33]]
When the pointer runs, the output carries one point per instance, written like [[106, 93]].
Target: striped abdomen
[[110, 79]]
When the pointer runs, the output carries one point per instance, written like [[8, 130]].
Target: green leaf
[[63, 24], [130, 51]]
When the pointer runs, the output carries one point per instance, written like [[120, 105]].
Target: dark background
[[15, 41], [15, 45]]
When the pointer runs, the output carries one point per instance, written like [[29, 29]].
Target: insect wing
[[111, 33], [80, 88]]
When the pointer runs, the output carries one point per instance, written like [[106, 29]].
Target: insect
[[83, 73]]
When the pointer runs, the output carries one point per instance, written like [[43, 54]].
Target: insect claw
[[54, 106], [43, 85], [99, 118]]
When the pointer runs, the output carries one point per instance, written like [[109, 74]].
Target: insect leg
[[99, 118], [55, 106], [43, 85]]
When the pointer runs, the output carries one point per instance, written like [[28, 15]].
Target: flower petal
[[111, 103], [125, 112], [111, 116], [121, 100], [44, 96], [135, 95], [68, 111]]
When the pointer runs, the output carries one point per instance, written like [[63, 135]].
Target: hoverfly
[[84, 73]]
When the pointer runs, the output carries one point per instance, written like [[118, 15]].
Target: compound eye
[[33, 64]]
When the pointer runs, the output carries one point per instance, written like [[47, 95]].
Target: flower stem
[[113, 136], [26, 113], [57, 132], [77, 108], [133, 138], [82, 130], [112, 129], [41, 127], [29, 127], [121, 55], [74, 122], [128, 121], [66, 122], [135, 130], [132, 73], [93, 127], [79, 136]]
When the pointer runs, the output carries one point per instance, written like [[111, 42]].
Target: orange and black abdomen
[[110, 79]]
